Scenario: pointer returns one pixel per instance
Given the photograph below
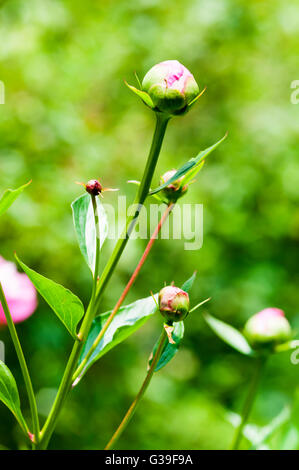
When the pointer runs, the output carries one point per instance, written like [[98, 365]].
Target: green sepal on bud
[[173, 303], [168, 88], [267, 329]]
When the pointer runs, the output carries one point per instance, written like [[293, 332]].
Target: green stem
[[132, 409], [81, 367], [161, 124], [66, 382], [65, 386], [98, 245], [248, 402], [24, 368], [88, 318]]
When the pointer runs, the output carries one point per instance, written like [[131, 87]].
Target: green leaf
[[274, 425], [83, 218], [190, 175], [189, 283], [9, 395], [289, 439], [9, 196], [143, 95], [229, 335], [258, 435], [188, 165], [169, 349], [250, 431], [126, 321], [67, 306]]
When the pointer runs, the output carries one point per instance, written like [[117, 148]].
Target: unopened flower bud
[[267, 328], [174, 190], [173, 303], [94, 187], [170, 86]]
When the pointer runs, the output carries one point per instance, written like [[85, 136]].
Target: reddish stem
[[124, 293], [141, 262]]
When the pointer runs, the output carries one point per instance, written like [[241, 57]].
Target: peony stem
[[161, 124], [24, 368], [124, 293], [89, 317], [132, 409], [98, 245], [248, 402], [66, 382]]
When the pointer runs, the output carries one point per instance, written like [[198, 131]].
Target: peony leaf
[[67, 306], [83, 218], [128, 319], [9, 395], [170, 349], [189, 283], [229, 335], [9, 196], [188, 166]]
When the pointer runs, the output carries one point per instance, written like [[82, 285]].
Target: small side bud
[[94, 187], [174, 190], [267, 328], [173, 303]]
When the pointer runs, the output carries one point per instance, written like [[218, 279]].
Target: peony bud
[[171, 87], [174, 190], [267, 328], [20, 293], [94, 187], [173, 303]]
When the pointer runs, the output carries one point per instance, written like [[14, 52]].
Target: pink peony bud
[[268, 327], [94, 187], [174, 190], [170, 86], [173, 303], [19, 292]]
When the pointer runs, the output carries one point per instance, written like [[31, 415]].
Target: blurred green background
[[68, 117]]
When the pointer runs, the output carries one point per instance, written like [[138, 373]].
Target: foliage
[[68, 117]]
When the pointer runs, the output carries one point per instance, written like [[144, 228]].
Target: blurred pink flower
[[19, 292], [268, 326], [269, 313]]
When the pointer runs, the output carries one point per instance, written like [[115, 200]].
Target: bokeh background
[[69, 117]]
